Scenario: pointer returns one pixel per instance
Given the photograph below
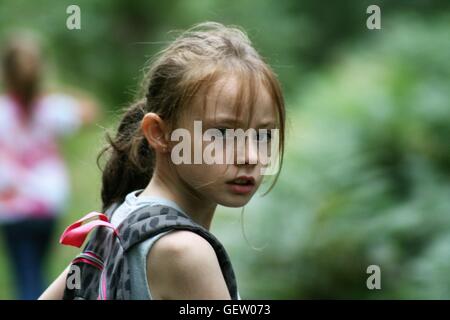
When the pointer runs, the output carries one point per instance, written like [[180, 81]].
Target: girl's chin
[[235, 201]]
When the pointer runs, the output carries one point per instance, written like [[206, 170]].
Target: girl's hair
[[195, 60], [21, 68]]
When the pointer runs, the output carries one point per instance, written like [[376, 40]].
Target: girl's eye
[[224, 132], [266, 135], [261, 135]]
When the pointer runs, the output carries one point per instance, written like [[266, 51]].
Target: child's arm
[[56, 290], [183, 265], [88, 109]]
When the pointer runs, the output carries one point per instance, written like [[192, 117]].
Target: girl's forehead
[[231, 100]]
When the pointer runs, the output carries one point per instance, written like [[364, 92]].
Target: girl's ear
[[153, 128]]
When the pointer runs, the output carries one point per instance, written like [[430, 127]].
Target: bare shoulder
[[184, 265], [178, 241], [183, 247]]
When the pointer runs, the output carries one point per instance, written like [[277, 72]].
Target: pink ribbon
[[76, 233]]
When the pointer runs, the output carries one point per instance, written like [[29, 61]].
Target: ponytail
[[131, 160]]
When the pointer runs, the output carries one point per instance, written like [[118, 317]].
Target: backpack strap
[[110, 210], [148, 221]]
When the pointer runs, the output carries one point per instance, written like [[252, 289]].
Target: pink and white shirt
[[33, 178]]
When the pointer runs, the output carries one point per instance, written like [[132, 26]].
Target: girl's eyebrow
[[223, 120], [267, 124]]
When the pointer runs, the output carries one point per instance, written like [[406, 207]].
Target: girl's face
[[217, 182]]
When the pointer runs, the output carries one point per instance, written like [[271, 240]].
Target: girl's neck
[[200, 210]]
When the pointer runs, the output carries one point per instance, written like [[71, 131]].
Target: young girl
[[211, 73]]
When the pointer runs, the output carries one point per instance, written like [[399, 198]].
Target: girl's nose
[[248, 156]]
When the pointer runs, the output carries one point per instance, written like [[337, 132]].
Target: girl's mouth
[[242, 184]]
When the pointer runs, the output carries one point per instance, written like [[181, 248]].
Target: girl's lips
[[245, 179], [241, 188], [242, 184]]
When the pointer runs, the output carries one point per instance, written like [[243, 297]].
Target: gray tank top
[[139, 253]]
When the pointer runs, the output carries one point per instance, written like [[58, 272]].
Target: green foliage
[[366, 176]]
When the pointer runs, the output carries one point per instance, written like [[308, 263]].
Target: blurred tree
[[107, 54]]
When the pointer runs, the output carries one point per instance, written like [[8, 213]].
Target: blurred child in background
[[34, 185]]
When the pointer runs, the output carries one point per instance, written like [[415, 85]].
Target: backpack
[[101, 271]]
